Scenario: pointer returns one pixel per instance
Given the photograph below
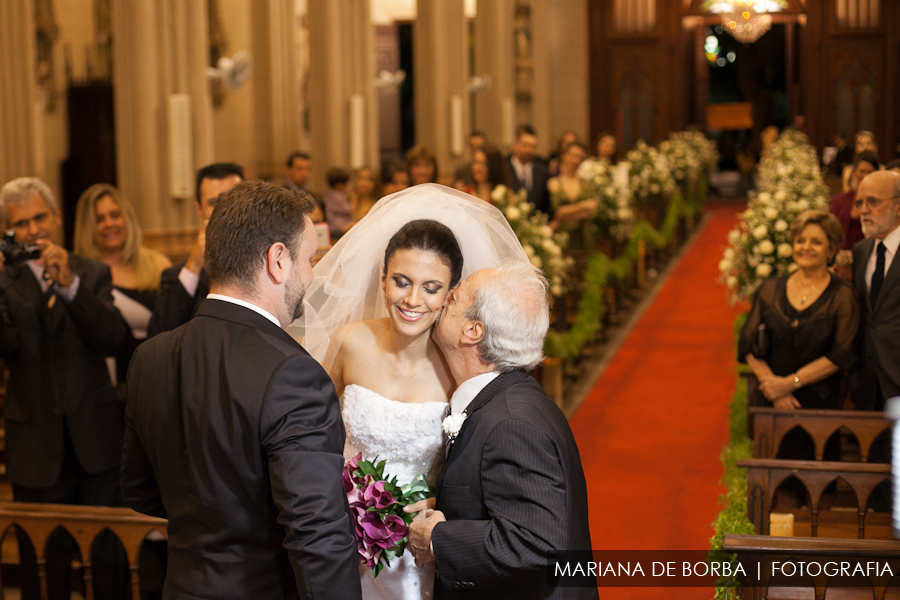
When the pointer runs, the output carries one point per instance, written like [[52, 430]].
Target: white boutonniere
[[452, 424]]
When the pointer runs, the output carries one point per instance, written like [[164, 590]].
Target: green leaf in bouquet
[[369, 468]]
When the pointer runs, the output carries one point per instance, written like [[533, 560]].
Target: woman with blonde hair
[[107, 230]]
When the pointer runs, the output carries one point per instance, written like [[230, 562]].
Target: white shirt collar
[[467, 391], [252, 307], [891, 241]]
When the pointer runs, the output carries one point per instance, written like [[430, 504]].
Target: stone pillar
[[160, 49], [569, 47], [276, 84], [541, 13], [21, 110], [440, 74], [494, 56], [343, 104]]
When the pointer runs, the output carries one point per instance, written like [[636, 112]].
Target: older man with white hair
[[512, 493], [876, 275]]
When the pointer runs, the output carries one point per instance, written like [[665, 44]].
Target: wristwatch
[[797, 383]]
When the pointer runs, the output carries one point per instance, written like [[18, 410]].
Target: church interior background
[[141, 94]]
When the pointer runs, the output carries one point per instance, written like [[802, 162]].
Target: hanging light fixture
[[746, 20]]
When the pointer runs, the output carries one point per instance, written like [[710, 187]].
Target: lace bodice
[[407, 435]]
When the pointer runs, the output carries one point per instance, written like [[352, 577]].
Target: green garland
[[601, 271], [733, 517]]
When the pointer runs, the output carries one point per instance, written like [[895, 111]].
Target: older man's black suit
[[58, 378], [513, 493], [174, 306], [234, 433], [879, 368]]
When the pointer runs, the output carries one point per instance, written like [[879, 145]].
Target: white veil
[[346, 285]]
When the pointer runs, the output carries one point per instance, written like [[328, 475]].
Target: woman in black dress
[[801, 332], [106, 229]]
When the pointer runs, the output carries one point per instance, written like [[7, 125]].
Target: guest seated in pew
[[801, 331]]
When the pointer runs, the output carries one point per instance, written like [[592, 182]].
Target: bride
[[368, 318]]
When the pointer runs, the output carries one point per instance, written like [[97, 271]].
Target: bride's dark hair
[[428, 236]]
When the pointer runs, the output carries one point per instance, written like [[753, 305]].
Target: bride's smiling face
[[415, 286]]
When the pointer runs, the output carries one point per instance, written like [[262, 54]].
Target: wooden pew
[[84, 523], [771, 424], [765, 475], [766, 549]]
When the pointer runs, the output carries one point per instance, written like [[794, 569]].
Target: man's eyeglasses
[[870, 202]]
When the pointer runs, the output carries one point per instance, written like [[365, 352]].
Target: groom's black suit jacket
[[513, 493], [234, 433]]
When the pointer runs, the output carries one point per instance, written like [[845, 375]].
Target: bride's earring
[[438, 320]]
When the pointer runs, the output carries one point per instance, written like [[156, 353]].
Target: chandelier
[[746, 20]]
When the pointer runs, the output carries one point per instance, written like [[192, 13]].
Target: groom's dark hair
[[248, 219], [428, 236]]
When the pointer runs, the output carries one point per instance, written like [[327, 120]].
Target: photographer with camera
[[64, 427]]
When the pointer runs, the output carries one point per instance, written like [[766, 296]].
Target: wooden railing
[[84, 523]]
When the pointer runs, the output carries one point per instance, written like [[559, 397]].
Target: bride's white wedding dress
[[409, 437]]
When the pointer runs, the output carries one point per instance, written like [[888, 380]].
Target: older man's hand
[[420, 535]]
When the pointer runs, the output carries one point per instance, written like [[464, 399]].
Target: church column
[[440, 73], [495, 114], [21, 110], [343, 106], [163, 108], [276, 73], [540, 117]]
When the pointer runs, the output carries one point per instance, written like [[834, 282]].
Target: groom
[[233, 432], [512, 491]]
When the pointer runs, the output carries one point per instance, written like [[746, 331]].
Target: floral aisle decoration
[[792, 165], [543, 247], [615, 214], [649, 175], [684, 162], [376, 505], [759, 247], [705, 149]]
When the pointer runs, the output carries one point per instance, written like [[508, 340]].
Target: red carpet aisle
[[651, 431]]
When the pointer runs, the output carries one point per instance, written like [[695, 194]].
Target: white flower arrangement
[[684, 162], [452, 424], [543, 247], [759, 247], [705, 149], [649, 175], [615, 214]]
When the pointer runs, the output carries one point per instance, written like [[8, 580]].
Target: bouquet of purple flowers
[[377, 504]]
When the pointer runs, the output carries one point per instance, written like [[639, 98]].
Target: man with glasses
[[876, 276]]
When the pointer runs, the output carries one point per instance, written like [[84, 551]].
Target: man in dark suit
[[57, 324], [233, 432], [512, 493], [183, 287], [876, 275], [528, 171]]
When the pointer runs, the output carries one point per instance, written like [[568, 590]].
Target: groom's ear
[[276, 262]]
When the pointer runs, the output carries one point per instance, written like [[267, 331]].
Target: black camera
[[16, 253]]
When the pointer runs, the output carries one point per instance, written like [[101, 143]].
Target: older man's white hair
[[514, 309], [19, 191]]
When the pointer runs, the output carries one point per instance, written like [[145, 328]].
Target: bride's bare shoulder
[[362, 336]]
